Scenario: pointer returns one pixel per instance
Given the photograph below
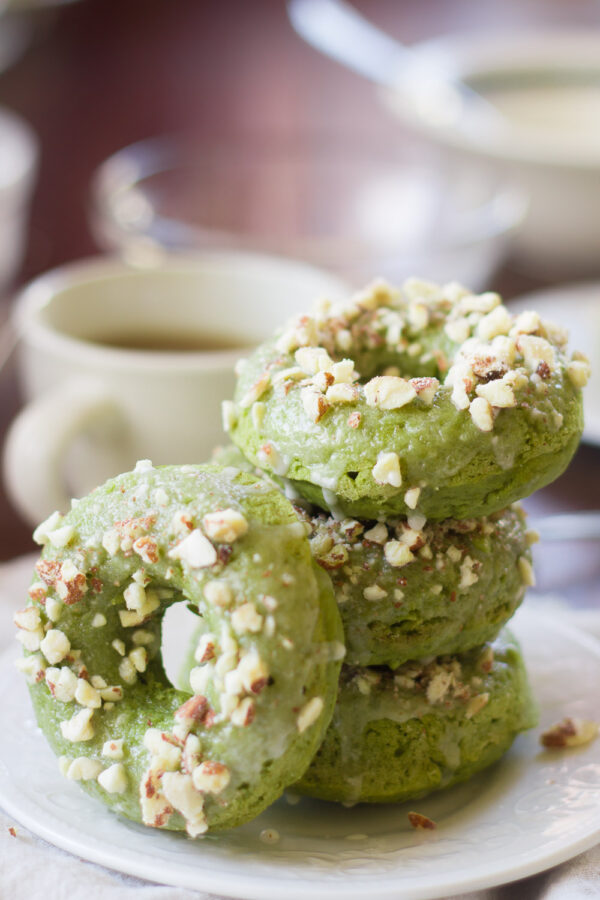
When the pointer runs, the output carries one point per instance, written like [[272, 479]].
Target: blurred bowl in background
[[18, 168], [546, 87], [355, 210]]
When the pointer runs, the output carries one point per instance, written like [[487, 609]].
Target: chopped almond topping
[[421, 822], [570, 733]]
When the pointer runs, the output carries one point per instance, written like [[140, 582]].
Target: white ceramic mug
[[123, 362]]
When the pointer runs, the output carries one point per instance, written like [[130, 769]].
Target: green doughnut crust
[[387, 742], [291, 644], [463, 583], [460, 470]]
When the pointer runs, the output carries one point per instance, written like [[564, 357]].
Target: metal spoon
[[337, 29]]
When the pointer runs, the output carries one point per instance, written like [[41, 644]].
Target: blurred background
[[253, 138]]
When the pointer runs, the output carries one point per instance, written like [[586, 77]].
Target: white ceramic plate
[[531, 811], [577, 307]]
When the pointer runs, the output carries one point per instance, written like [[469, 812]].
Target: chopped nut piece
[[180, 792], [113, 749], [211, 777], [205, 649], [387, 469], [40, 535], [258, 413], [411, 497], [314, 403], [439, 686], [343, 372], [570, 733], [156, 811], [526, 571], [458, 330], [498, 393], [111, 694], [496, 322], [62, 683], [119, 646], [243, 714], [481, 414], [252, 672], [28, 618], [195, 550], [309, 713], [536, 350], [79, 728], [193, 710], [32, 667], [61, 537], [342, 393], [389, 392], [147, 548], [313, 359], [378, 534], [579, 371], [246, 618], [219, 593], [468, 575], [139, 658], [301, 333], [225, 526], [374, 592], [55, 646], [421, 822], [86, 695], [127, 671], [527, 322], [256, 391], [475, 704], [398, 554], [83, 769], [114, 779]]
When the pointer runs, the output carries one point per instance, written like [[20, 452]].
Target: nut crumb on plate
[[421, 822], [569, 733]]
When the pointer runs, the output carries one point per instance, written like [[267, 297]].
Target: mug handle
[[39, 438]]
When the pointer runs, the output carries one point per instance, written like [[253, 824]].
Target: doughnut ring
[[409, 589], [430, 399], [265, 674], [396, 736]]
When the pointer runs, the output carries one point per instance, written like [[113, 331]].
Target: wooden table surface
[[100, 74]]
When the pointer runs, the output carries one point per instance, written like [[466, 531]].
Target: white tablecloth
[[31, 869]]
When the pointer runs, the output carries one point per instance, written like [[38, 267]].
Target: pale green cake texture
[[397, 736], [294, 632]]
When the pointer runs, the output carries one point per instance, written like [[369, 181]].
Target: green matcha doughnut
[[429, 399], [407, 590], [397, 736], [265, 676]]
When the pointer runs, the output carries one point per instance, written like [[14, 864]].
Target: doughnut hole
[[179, 624]]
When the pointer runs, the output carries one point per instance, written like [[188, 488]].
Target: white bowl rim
[[478, 53], [121, 173]]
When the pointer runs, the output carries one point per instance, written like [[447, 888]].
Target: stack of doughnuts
[[405, 424]]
